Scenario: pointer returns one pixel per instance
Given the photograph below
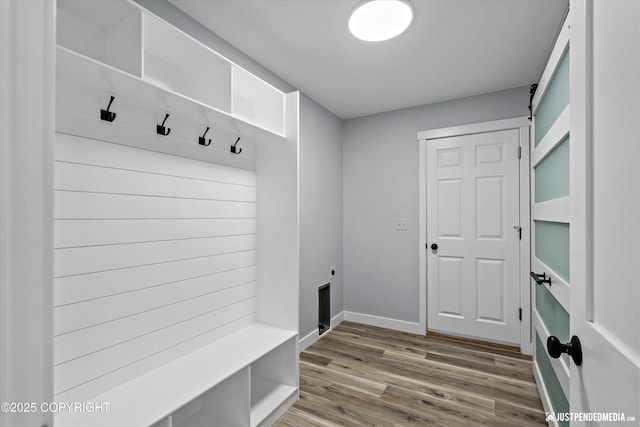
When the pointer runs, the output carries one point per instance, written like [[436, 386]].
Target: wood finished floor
[[361, 375]]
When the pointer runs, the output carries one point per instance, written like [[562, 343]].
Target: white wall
[[320, 210], [380, 167]]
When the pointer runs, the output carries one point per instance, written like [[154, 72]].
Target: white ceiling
[[453, 48]]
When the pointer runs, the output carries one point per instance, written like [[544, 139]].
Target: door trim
[[522, 124]]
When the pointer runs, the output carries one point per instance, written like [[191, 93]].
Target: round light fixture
[[378, 20]]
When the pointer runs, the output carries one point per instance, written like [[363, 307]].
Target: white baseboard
[[308, 340], [314, 336], [337, 319], [542, 391], [384, 322]]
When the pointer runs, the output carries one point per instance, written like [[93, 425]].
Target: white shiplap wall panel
[[73, 289], [76, 149], [155, 256], [74, 205], [71, 317], [90, 259], [74, 233], [93, 365], [92, 339], [100, 179], [126, 373]]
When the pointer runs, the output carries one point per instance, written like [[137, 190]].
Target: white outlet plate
[[402, 224]]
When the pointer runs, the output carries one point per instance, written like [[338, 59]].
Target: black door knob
[[434, 246], [572, 348]]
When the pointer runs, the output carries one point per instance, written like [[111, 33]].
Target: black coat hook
[[161, 130], [107, 115], [234, 150], [201, 139]]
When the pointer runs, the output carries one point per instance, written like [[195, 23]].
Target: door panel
[[604, 236], [472, 207], [450, 286], [490, 208], [449, 208], [552, 246], [555, 100], [490, 290], [552, 174]]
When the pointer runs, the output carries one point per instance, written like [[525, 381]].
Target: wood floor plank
[[317, 359], [468, 400], [295, 417], [360, 375], [347, 380], [493, 368]]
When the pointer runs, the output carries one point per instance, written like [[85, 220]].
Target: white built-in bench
[[245, 379]]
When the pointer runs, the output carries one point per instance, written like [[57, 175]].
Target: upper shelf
[[124, 37], [107, 31]]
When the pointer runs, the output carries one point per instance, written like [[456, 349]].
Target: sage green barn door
[[551, 225]]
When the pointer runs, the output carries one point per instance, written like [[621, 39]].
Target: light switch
[[401, 224]]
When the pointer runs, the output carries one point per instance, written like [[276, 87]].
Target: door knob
[[572, 348], [434, 246]]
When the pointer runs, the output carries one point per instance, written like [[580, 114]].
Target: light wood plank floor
[[361, 375]]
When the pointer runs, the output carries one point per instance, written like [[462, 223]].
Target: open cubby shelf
[[121, 36]]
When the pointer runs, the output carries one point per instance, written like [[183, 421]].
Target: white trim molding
[[309, 339], [473, 128], [27, 114], [523, 125], [384, 322], [544, 395]]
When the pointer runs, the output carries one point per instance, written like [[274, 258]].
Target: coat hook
[[107, 115], [201, 140], [234, 150], [161, 130]]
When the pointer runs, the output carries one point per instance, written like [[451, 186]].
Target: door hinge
[[519, 152], [520, 314], [519, 230]]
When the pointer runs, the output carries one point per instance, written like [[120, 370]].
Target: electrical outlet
[[402, 224], [332, 271]]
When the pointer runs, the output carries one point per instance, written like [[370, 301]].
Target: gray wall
[[320, 210], [380, 161], [320, 174]]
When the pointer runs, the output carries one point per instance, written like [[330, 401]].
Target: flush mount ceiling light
[[377, 20]]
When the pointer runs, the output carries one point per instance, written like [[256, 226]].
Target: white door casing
[[27, 115], [605, 65], [472, 209]]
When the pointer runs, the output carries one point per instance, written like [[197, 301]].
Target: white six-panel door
[[472, 209]]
